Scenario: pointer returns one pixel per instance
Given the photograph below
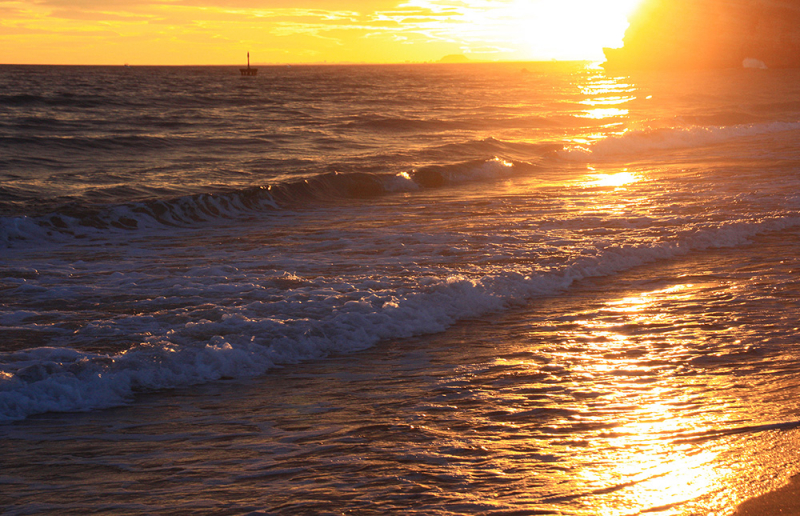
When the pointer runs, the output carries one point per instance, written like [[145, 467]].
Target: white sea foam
[[751, 62], [401, 182], [491, 169], [314, 321], [176, 251], [633, 143]]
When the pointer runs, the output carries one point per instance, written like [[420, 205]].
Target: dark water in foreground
[[443, 289]]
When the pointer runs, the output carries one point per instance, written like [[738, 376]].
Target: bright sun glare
[[571, 29]]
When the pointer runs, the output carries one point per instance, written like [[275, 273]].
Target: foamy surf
[[397, 280], [250, 340], [639, 142]]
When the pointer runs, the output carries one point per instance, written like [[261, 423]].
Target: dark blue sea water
[[523, 288]]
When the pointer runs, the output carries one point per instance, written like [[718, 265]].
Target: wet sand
[[784, 501]]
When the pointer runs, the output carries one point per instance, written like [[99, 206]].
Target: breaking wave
[[251, 339], [75, 220]]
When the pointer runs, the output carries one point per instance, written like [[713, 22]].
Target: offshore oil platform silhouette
[[249, 72]]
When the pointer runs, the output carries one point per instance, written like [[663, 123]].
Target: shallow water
[[550, 292], [626, 395]]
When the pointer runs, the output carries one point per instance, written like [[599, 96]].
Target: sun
[[525, 29], [571, 29]]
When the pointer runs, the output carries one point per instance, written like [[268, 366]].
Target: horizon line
[[322, 63]]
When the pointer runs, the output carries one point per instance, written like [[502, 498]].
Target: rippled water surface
[[534, 289]]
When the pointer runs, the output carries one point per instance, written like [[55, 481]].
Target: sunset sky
[[305, 31]]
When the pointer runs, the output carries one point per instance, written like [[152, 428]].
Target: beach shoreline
[[785, 500]]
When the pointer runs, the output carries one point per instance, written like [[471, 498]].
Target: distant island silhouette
[[455, 58], [710, 34]]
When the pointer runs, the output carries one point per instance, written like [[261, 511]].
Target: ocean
[[508, 288]]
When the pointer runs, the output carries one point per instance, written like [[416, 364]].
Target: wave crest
[[252, 340], [76, 220]]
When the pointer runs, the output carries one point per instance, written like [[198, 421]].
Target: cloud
[[257, 5], [182, 31], [21, 31], [360, 29]]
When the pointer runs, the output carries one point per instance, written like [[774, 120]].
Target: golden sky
[[182, 32]]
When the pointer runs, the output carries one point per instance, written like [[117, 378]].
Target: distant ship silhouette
[[248, 71]]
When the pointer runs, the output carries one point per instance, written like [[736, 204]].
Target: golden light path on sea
[[643, 464]]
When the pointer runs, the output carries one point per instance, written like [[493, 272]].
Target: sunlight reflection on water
[[602, 113], [623, 393], [632, 351], [616, 179], [601, 90]]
